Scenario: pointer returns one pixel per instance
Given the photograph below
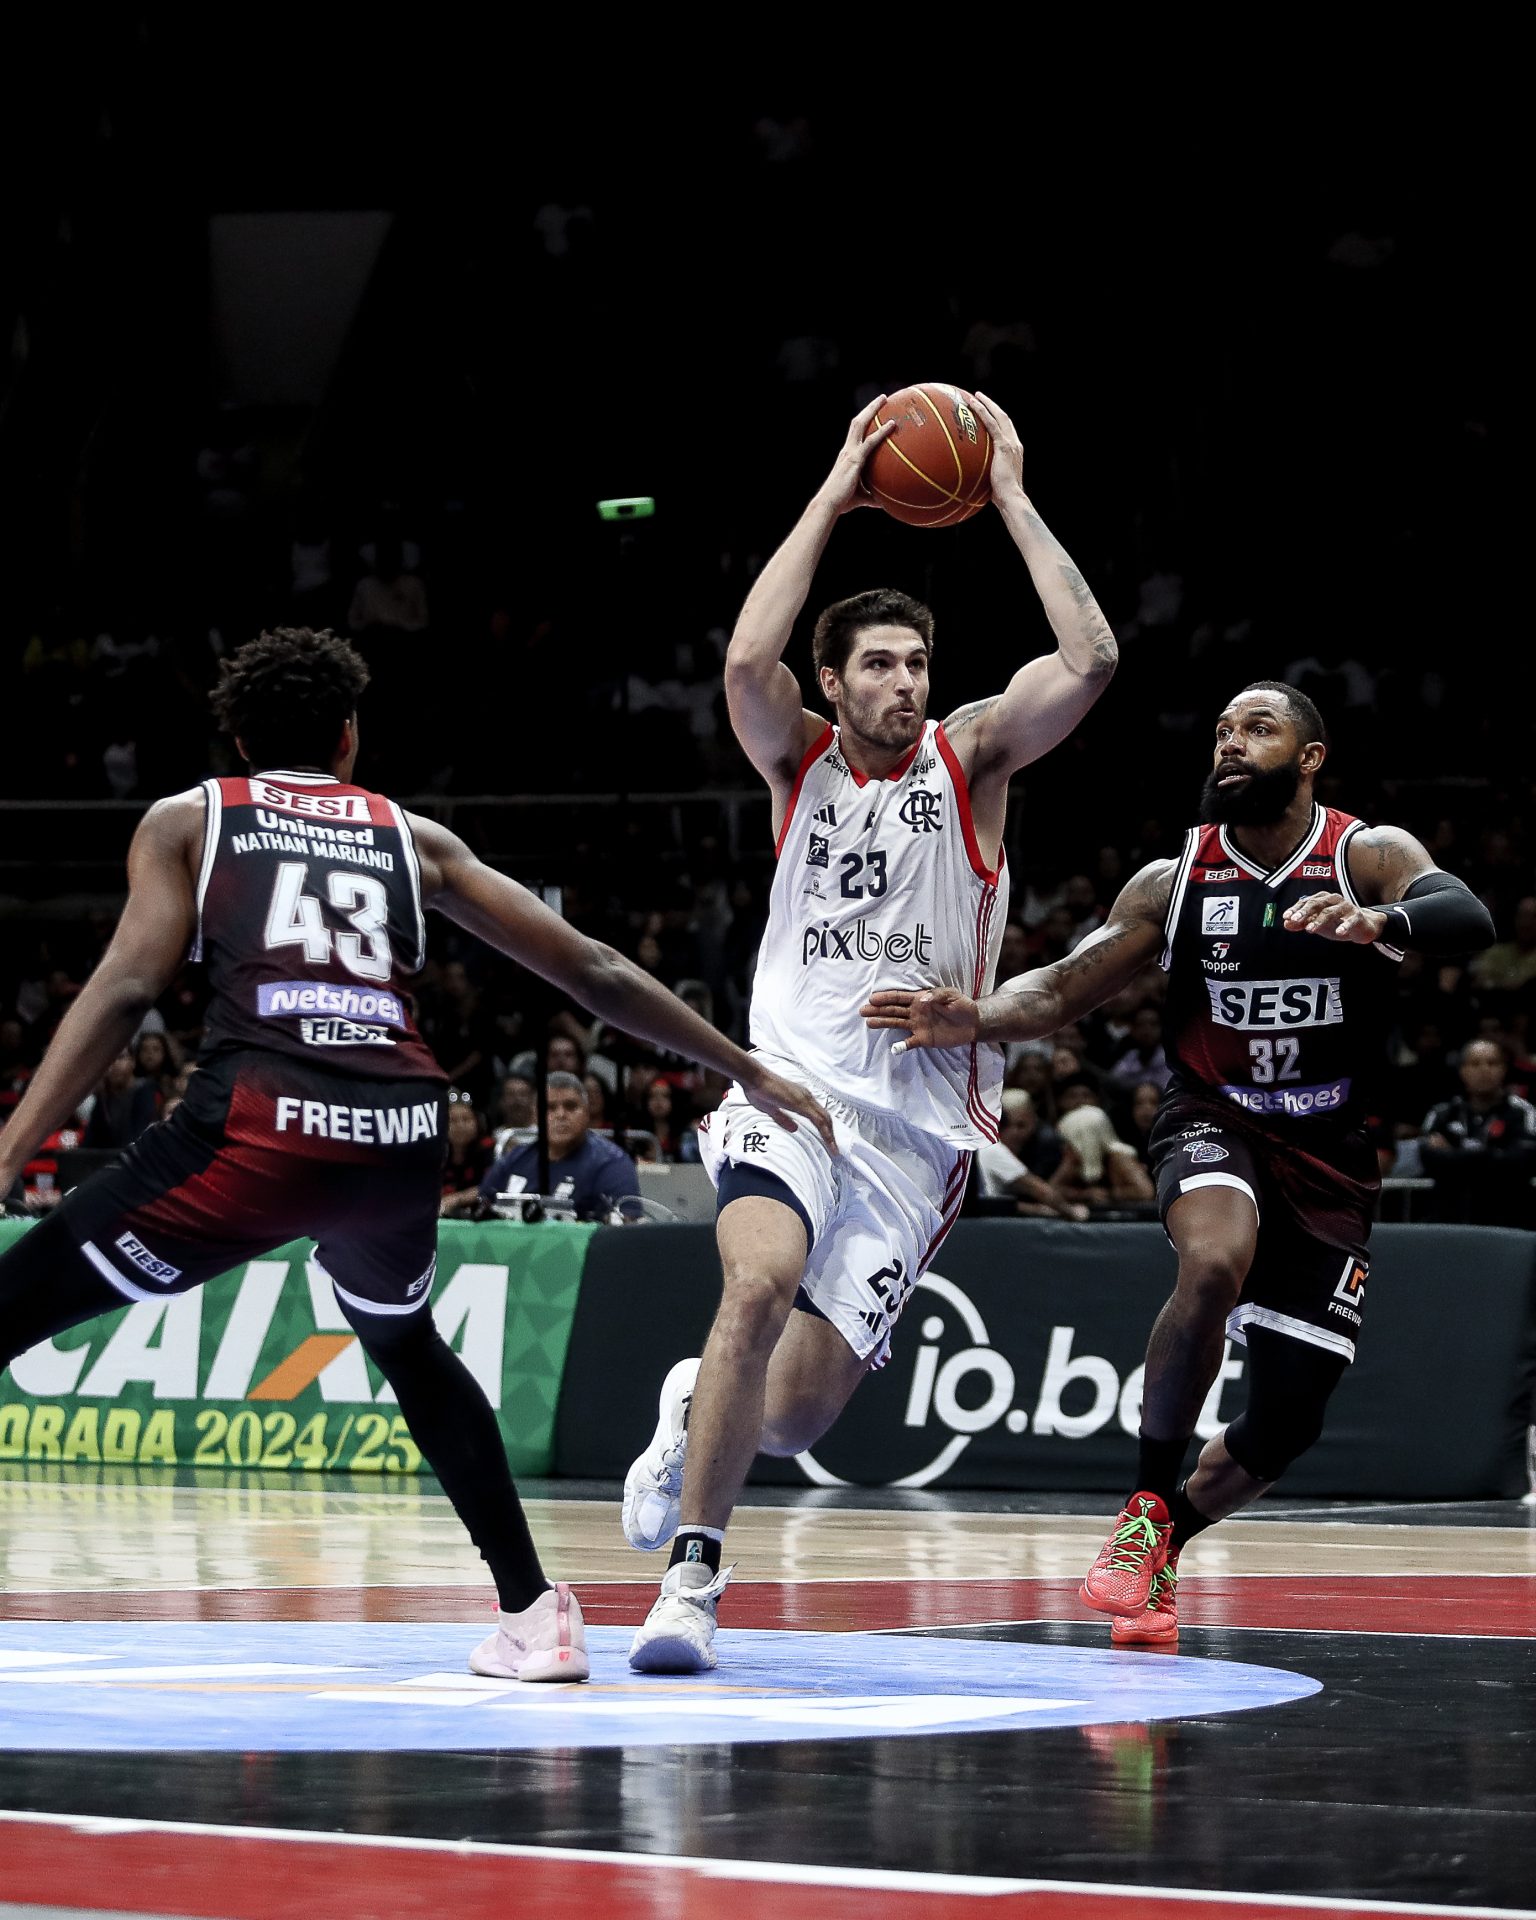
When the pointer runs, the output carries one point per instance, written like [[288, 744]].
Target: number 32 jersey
[[310, 924], [881, 883], [1289, 1026]]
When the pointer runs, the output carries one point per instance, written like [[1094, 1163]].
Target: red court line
[[1488, 1605], [208, 1872]]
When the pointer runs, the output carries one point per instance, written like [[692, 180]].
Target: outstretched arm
[[1034, 1004], [767, 714], [515, 922], [1406, 901], [1048, 696], [148, 946]]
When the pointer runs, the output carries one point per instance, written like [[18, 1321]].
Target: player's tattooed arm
[[1405, 901], [1034, 1004], [1384, 862], [1048, 696], [963, 719]]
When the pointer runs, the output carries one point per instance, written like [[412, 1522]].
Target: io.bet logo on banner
[[958, 1385]]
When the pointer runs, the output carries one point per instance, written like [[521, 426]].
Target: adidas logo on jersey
[[827, 815]]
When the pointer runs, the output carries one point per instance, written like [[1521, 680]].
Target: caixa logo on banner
[[946, 1383]]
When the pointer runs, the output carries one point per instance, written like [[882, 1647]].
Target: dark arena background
[[354, 322]]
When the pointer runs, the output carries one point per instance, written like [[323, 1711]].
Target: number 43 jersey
[[881, 883], [1289, 1026], [310, 924]]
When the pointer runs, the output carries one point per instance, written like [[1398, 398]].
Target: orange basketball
[[936, 469]]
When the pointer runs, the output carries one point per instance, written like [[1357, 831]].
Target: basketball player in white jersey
[[888, 832]]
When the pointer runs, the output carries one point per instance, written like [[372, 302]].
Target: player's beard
[[890, 732], [1259, 802]]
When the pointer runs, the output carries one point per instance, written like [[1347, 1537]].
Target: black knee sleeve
[[1289, 1384]]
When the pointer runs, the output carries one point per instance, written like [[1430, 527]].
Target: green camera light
[[637, 507]]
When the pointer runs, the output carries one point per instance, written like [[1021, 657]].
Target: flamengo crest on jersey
[[309, 920], [881, 883], [1289, 1026]]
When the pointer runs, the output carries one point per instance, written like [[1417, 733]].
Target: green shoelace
[[1134, 1540]]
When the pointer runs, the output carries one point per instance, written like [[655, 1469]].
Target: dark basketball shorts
[[264, 1150], [1314, 1201]]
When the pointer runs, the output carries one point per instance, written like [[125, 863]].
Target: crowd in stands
[[521, 647], [1453, 1094]]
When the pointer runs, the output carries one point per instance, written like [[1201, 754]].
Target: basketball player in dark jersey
[[318, 1110], [1278, 926]]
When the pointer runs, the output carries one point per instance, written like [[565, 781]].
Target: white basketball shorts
[[877, 1211]]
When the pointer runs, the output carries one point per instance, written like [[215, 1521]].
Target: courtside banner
[[1018, 1363], [260, 1369]]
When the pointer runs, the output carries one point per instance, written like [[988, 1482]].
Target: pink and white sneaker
[[547, 1641]]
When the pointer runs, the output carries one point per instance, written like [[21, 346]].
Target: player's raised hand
[[782, 1099], [844, 486], [1007, 448], [929, 1016], [1331, 917]]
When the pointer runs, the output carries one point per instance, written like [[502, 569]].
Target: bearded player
[[888, 832], [1278, 927], [318, 1111]]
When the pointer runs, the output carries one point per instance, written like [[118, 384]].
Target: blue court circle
[[305, 1687]]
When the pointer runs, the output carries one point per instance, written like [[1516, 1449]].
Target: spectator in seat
[[15, 1064], [1479, 1148], [517, 1111], [387, 598], [157, 1060], [1003, 1165], [460, 1031], [663, 1116], [1032, 1072], [587, 1174], [1143, 1057], [1509, 965], [124, 1106], [469, 1147], [1097, 1167], [1146, 1098]]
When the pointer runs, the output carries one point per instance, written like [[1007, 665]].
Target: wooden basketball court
[[913, 1714]]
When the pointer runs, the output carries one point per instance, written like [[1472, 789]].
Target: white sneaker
[[679, 1631], [654, 1484], [547, 1641]]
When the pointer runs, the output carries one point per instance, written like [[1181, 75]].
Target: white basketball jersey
[[881, 883]]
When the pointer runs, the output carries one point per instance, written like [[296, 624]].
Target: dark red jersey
[[1289, 1026], [310, 925]]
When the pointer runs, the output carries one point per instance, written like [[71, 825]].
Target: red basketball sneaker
[[1120, 1580], [1157, 1625]]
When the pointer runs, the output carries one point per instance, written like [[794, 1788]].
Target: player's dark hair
[[287, 694], [844, 620], [1303, 711]]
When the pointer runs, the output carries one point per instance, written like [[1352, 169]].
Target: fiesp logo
[[946, 1382]]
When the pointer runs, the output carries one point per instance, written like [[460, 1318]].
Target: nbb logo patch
[[1263, 1005]]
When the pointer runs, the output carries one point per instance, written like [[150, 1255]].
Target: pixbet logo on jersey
[[861, 941], [946, 1383]]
